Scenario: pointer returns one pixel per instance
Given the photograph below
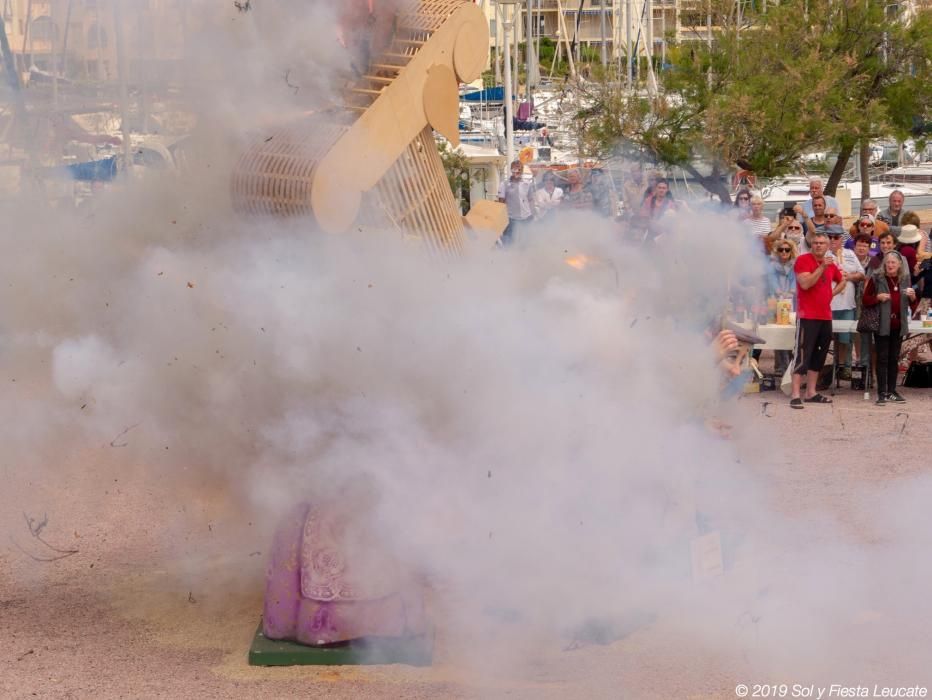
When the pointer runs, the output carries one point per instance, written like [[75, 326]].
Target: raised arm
[[776, 233], [807, 280]]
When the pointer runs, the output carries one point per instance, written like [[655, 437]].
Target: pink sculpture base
[[302, 556]]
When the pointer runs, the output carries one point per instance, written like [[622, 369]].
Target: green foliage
[[548, 54], [456, 166], [590, 54], [804, 75], [548, 49]]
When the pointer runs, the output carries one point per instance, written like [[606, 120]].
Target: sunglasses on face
[[866, 224], [742, 199], [784, 250], [794, 228]]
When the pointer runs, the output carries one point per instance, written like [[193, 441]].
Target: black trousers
[[888, 360]]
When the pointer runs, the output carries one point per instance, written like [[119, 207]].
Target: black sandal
[[818, 398], [796, 403]]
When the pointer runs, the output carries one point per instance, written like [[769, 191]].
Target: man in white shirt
[[844, 305], [815, 188], [518, 196]]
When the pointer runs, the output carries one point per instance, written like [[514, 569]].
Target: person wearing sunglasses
[[868, 226], [789, 227], [742, 203], [833, 218], [781, 284], [794, 234], [781, 279], [869, 206], [868, 263], [845, 304], [869, 209]]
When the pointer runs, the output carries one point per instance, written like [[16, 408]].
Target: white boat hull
[[798, 190]]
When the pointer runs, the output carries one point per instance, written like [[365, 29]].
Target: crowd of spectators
[[531, 200], [828, 272], [534, 199], [812, 262]]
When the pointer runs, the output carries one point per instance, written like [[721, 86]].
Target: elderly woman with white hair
[[758, 225], [888, 291]]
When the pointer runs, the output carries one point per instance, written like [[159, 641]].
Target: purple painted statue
[[330, 580]]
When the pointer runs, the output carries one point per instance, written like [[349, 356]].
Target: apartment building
[[616, 23], [640, 23], [79, 36]]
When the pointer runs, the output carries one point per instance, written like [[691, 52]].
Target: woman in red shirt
[[889, 287]]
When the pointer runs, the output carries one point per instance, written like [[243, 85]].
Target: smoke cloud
[[534, 432]]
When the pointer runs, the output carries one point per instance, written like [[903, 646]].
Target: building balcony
[[33, 46], [572, 6]]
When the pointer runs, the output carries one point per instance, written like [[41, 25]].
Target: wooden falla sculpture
[[331, 581], [375, 159]]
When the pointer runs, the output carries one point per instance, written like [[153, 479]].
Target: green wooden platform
[[413, 651]]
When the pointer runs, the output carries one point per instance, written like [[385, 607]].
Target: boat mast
[[528, 52], [602, 35], [123, 78], [629, 71]]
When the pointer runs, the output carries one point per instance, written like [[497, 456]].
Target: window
[[44, 29], [539, 27], [92, 37], [692, 19]]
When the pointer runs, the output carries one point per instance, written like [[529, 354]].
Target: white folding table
[[779, 337]]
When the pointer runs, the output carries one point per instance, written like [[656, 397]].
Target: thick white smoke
[[535, 431]]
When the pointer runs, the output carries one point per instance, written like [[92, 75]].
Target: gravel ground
[[114, 620]]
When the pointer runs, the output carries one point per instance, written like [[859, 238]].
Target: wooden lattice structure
[[381, 145]]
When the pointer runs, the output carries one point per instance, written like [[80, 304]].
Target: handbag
[[870, 319], [919, 375]]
